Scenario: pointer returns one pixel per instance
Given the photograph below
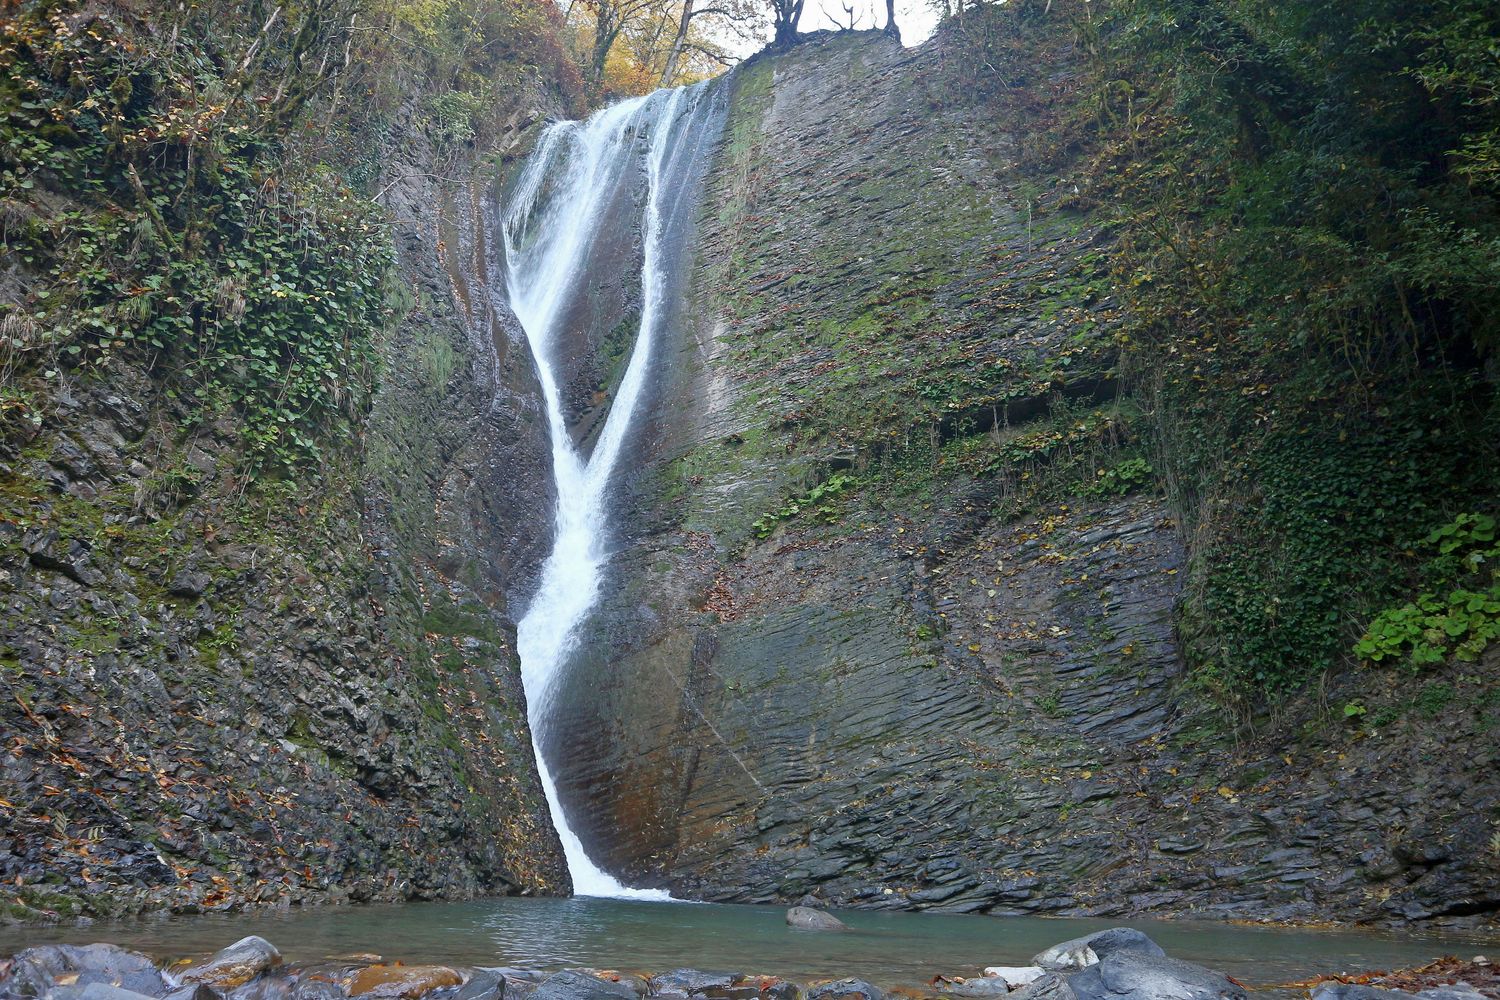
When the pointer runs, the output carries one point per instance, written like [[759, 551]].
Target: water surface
[[890, 949]]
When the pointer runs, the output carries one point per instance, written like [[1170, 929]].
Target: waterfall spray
[[549, 227]]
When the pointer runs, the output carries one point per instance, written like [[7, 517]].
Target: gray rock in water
[[688, 982], [520, 983], [35, 971], [1132, 975], [845, 989], [695, 983], [198, 991], [1353, 991], [236, 965], [979, 986], [581, 986], [1082, 952], [312, 989], [808, 919], [484, 984], [1050, 986], [94, 991], [1458, 991], [268, 987]]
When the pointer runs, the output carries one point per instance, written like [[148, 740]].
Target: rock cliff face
[[890, 618], [220, 694], [861, 645]]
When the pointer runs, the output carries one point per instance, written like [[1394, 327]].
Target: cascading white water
[[549, 227]]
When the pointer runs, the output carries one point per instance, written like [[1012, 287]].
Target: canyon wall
[[222, 692], [858, 645]]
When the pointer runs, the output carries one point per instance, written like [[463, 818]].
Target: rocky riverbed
[[1115, 964]]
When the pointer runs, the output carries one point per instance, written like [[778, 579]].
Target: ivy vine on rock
[[1458, 614], [170, 222]]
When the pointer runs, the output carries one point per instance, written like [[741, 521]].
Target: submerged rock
[[808, 919], [404, 981], [845, 989], [198, 991], [1357, 991], [37, 971], [581, 986], [979, 986], [314, 989], [710, 985], [1087, 950], [1133, 975], [484, 984], [277, 985], [236, 965], [689, 982], [518, 984], [1458, 991], [95, 991]]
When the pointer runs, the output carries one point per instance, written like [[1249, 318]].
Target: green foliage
[[1464, 546], [1278, 572], [191, 242], [1307, 221], [453, 114], [1458, 64], [1433, 698], [475, 51], [819, 501], [1127, 477], [449, 619], [1458, 615], [1050, 705]]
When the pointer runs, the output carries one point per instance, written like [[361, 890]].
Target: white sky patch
[[915, 18]]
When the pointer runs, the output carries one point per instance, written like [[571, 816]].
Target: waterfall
[[554, 217]]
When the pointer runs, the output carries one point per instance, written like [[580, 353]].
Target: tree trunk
[[890, 20], [676, 51], [788, 13], [605, 32]]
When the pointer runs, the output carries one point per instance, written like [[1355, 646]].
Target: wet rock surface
[[235, 965], [35, 971], [582, 986], [1140, 972], [845, 989], [405, 981]]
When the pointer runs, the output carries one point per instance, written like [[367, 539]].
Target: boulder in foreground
[[37, 971], [581, 986], [406, 982], [1133, 975], [1080, 953], [845, 989], [236, 965]]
